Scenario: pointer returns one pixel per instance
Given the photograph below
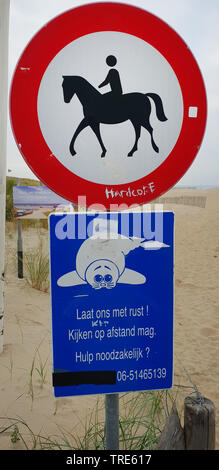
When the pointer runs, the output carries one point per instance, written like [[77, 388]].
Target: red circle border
[[30, 69]]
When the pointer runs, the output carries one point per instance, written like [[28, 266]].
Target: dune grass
[[37, 268], [142, 417]]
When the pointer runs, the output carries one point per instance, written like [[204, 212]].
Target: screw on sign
[[108, 102]]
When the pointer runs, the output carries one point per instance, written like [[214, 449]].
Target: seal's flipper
[[131, 277], [153, 245], [70, 279]]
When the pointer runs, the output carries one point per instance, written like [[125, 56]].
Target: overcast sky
[[196, 21]]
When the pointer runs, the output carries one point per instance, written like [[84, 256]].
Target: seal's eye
[[98, 278], [108, 278]]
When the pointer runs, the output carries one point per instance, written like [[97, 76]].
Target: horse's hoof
[[73, 152], [103, 154], [130, 154]]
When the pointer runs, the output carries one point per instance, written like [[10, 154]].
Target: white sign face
[[142, 70]]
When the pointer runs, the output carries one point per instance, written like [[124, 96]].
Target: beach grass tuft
[[37, 268], [141, 420]]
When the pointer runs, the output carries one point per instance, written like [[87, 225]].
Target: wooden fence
[[199, 427]]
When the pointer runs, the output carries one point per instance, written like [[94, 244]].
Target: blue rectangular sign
[[112, 302]]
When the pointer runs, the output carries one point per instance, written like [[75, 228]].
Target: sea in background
[[201, 187]]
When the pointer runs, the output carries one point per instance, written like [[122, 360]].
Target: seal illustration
[[100, 262]]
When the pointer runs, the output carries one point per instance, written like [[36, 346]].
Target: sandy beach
[[26, 391]]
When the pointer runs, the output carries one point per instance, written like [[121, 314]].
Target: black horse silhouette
[[111, 109]]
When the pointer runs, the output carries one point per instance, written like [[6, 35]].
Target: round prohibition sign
[[108, 102]]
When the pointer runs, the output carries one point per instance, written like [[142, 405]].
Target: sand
[[26, 391]]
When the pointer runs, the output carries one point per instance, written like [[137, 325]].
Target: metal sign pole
[[20, 250], [112, 421], [19, 245], [4, 15]]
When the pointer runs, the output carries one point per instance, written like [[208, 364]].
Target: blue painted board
[[112, 302]]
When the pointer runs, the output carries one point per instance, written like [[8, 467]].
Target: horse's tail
[[159, 106]]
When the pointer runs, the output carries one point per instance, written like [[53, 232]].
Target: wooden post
[[199, 424], [172, 436], [4, 26]]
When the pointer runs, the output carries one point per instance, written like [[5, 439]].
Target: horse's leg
[[137, 128], [84, 123], [95, 126], [148, 127]]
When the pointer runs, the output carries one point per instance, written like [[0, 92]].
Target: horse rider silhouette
[[113, 78], [113, 107]]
